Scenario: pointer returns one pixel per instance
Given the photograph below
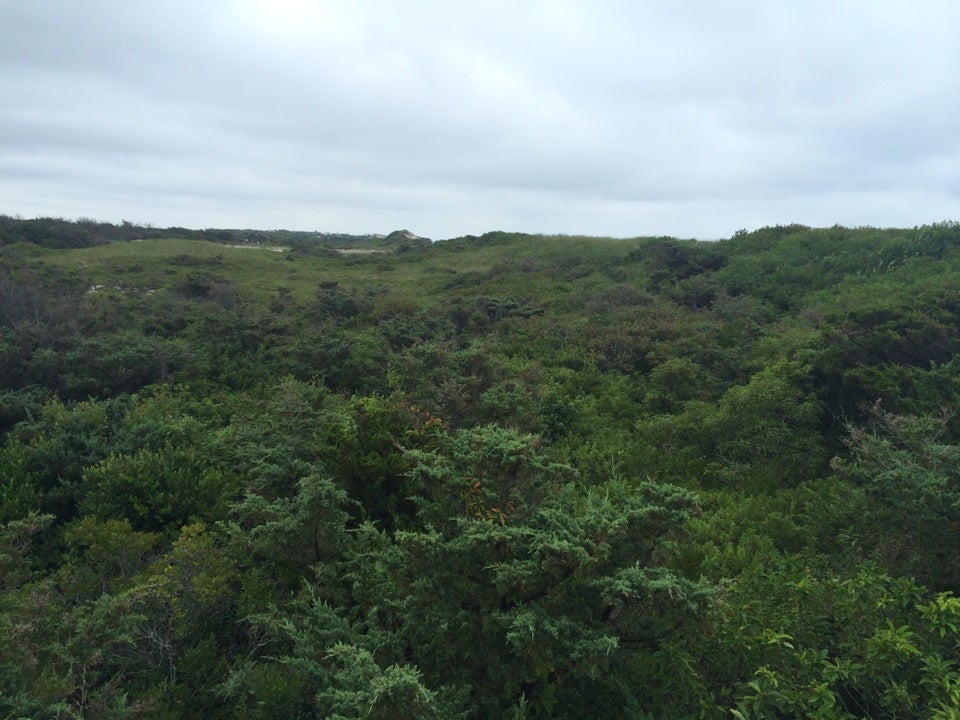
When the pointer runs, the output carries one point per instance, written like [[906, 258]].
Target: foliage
[[507, 476], [503, 597], [908, 468], [863, 646]]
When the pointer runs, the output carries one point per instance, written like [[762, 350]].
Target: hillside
[[249, 474]]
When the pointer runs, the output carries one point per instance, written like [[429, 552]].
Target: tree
[[513, 592], [909, 468]]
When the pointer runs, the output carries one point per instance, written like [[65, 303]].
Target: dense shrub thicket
[[510, 476]]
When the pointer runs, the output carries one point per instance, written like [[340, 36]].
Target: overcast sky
[[450, 117]]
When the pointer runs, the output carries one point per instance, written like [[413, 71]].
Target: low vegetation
[[506, 476]]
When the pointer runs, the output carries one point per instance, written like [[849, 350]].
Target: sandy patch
[[274, 248]]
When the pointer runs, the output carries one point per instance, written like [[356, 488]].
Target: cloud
[[620, 118]]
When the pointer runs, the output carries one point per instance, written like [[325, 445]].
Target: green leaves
[[908, 468], [360, 688], [821, 646], [758, 437], [154, 490], [329, 503], [487, 473], [470, 612], [16, 540]]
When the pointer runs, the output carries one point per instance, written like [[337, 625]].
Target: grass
[[523, 267]]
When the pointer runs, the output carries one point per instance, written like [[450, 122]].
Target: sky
[[690, 118]]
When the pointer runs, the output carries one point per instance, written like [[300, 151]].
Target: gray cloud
[[620, 118]]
